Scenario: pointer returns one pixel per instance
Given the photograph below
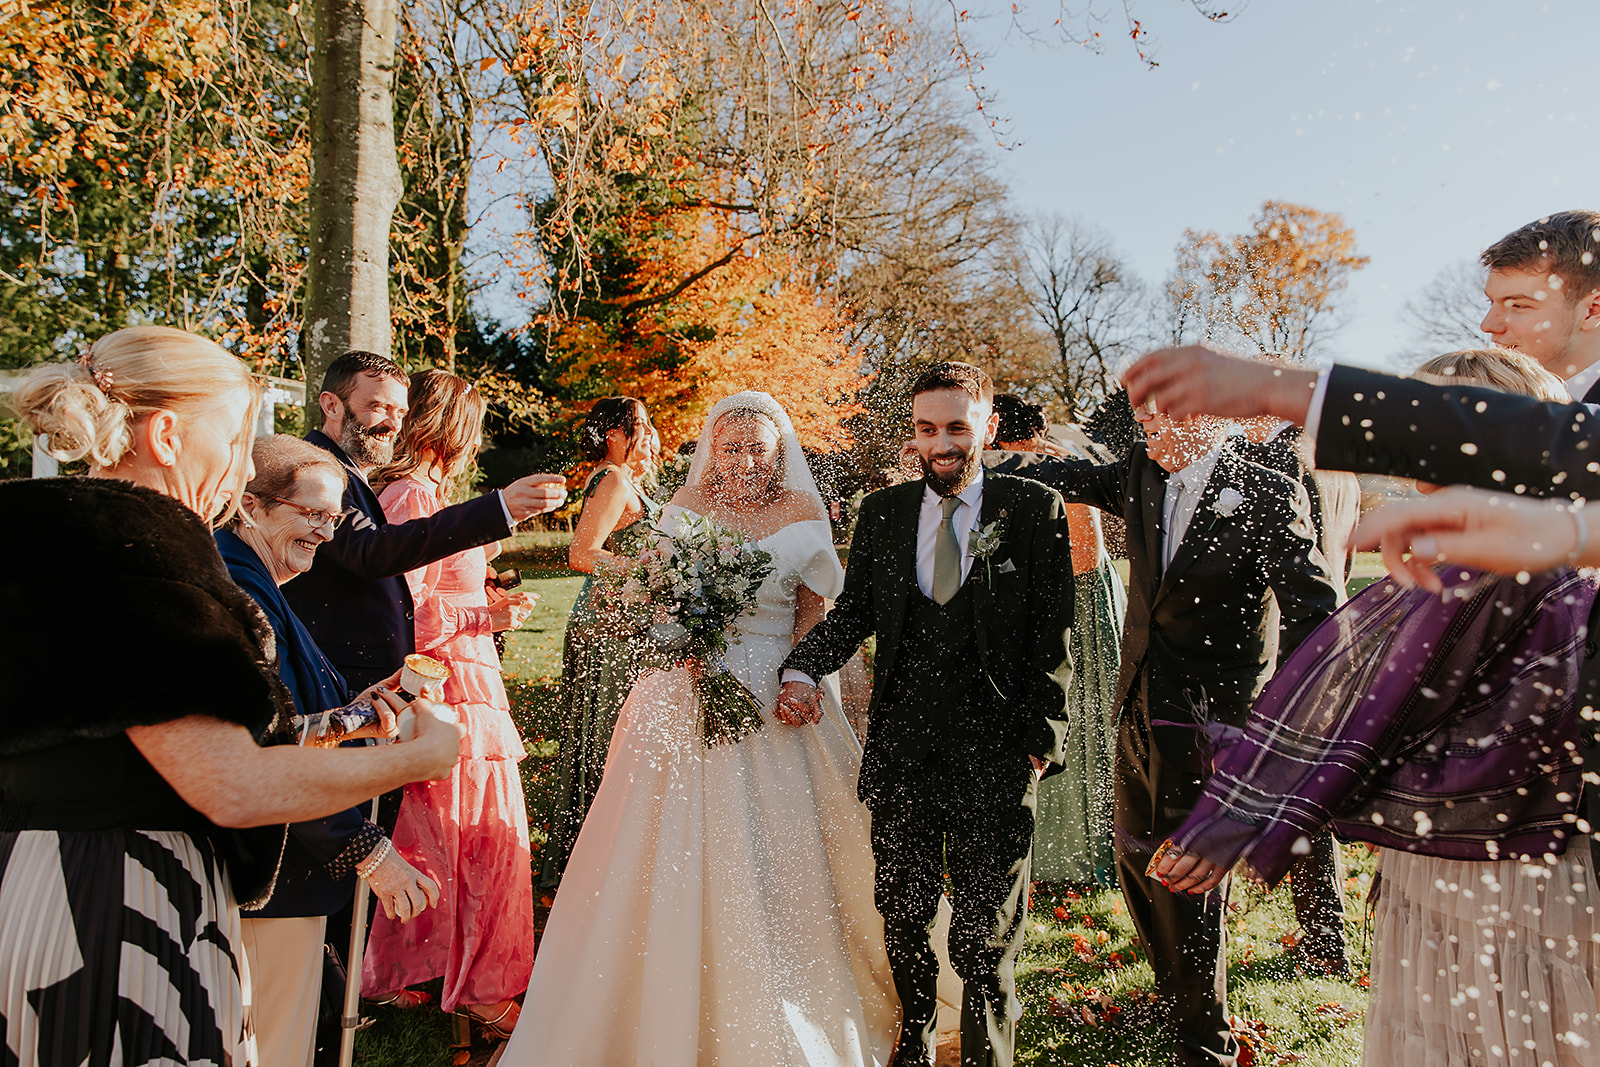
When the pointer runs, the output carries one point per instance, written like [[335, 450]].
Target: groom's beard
[[950, 485]]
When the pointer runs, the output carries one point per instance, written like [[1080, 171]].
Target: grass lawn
[[1084, 983]]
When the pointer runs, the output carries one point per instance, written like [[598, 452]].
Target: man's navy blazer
[[354, 599]]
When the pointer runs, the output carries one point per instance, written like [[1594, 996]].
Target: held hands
[[798, 704], [404, 891], [534, 495], [1185, 872]]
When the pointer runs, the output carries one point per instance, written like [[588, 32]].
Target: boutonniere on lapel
[[1226, 504], [984, 541]]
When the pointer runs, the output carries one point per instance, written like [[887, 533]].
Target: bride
[[717, 907]]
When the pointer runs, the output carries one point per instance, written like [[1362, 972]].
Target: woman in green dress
[[1072, 830], [599, 661], [1072, 827]]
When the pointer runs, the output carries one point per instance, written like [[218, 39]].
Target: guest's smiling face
[[1530, 312], [952, 428], [366, 424], [282, 534]]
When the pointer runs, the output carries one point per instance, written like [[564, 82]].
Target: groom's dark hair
[[952, 375]]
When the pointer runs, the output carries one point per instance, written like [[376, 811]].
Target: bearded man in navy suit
[[354, 599]]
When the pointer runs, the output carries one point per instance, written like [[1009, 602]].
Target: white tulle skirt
[[718, 904], [1491, 963]]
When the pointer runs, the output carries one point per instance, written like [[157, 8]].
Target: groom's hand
[[798, 704]]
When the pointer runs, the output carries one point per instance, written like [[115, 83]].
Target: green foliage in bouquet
[[683, 592]]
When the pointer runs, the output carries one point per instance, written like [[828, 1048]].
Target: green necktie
[[946, 555]]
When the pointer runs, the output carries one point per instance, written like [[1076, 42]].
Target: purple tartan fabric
[[1440, 725]]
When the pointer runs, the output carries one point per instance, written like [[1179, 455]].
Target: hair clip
[[103, 379]]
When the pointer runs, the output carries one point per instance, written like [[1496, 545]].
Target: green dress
[[1072, 833], [599, 664]]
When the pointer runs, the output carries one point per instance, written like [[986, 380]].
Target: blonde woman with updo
[[141, 688], [469, 831]]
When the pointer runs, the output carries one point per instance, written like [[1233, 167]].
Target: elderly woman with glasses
[[289, 508]]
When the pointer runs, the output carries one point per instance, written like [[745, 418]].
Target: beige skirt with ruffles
[[1480, 963]]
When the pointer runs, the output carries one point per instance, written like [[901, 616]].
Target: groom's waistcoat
[[935, 700]]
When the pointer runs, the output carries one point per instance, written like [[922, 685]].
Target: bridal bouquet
[[685, 590]]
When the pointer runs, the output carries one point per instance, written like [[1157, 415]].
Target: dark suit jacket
[[1204, 627], [1458, 435], [1334, 496], [1021, 613], [354, 599]]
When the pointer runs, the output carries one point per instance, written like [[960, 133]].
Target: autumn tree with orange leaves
[[1273, 290], [153, 164], [754, 323]]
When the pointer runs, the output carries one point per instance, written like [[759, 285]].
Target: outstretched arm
[[1080, 481], [372, 551], [1197, 381], [1496, 531], [1381, 424]]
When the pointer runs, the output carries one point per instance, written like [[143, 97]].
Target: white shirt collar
[[969, 496], [1194, 477], [1580, 384]]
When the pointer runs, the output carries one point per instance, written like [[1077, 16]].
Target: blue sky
[[1433, 127]]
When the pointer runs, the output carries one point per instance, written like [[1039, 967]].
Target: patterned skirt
[[118, 947]]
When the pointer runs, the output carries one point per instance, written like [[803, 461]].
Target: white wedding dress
[[718, 905]]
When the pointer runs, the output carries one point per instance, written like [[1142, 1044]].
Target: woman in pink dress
[[470, 831]]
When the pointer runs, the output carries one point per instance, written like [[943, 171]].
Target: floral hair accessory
[[103, 379]]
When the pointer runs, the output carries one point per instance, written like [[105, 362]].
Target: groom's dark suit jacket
[[1021, 607], [1203, 633], [354, 599]]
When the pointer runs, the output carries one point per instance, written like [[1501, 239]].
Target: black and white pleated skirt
[[118, 947]]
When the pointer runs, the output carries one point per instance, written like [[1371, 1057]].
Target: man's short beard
[[365, 449], [956, 482]]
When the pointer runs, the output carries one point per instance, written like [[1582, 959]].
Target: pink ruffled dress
[[469, 832]]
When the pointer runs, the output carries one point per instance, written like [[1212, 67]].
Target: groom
[[962, 577]]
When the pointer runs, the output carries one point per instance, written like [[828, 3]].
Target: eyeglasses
[[316, 517]]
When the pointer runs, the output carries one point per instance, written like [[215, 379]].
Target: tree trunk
[[355, 185]]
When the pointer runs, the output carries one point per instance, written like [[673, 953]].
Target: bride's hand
[[798, 704]]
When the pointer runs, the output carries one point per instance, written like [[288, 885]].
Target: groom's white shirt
[[928, 520]]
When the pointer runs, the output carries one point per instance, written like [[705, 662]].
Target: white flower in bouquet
[[685, 592]]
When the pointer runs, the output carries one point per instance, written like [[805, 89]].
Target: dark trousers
[[1158, 778], [1317, 882], [979, 824]]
